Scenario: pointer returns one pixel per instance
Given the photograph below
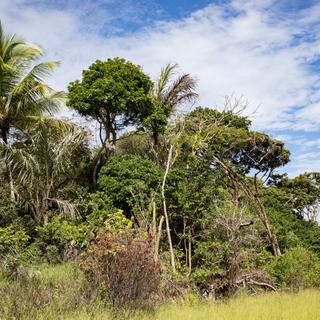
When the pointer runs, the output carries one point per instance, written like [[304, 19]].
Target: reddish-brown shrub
[[123, 264]]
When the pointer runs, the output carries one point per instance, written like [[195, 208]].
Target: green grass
[[304, 305], [55, 293]]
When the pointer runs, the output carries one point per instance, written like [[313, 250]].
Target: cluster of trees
[[203, 185]]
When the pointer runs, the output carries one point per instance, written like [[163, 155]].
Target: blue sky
[[265, 51]]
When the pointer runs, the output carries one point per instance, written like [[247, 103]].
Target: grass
[[276, 306], [57, 293]]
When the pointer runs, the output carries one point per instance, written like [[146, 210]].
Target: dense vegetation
[[168, 204]]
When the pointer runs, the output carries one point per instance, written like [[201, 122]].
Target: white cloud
[[240, 48]]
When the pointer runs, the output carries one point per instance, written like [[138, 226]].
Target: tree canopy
[[203, 195]]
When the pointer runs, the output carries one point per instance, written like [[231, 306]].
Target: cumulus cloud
[[246, 48]]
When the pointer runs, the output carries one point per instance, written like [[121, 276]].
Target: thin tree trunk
[[97, 165], [257, 205], [10, 180], [154, 220], [185, 242], [158, 237], [173, 264], [189, 252], [4, 135]]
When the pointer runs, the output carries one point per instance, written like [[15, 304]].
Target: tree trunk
[[4, 135], [185, 242], [189, 252], [158, 237], [256, 204], [173, 264], [97, 165]]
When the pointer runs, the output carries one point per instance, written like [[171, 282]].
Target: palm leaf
[[165, 77]]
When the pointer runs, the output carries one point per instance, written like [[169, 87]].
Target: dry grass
[[57, 295], [304, 305]]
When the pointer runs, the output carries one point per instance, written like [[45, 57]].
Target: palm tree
[[168, 94], [23, 93], [44, 167]]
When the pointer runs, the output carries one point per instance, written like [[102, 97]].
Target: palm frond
[[66, 207], [166, 75], [182, 90], [66, 148], [35, 76], [22, 163]]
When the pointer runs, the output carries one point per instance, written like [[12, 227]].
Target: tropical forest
[[122, 197]]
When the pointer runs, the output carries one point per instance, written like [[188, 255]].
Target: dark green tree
[[115, 92], [302, 194], [226, 138], [130, 180]]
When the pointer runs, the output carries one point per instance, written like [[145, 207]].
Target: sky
[[265, 52]]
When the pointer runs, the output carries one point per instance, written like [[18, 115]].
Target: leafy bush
[[62, 238], [12, 240], [297, 268], [122, 264], [125, 177], [99, 211]]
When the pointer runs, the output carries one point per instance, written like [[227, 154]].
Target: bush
[[61, 239], [122, 265], [12, 240], [125, 177], [297, 268]]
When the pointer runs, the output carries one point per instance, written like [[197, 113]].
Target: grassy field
[[56, 295], [304, 305]]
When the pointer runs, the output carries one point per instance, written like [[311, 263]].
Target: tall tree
[[23, 93], [113, 92], [168, 93], [116, 93], [302, 194], [226, 138], [44, 166]]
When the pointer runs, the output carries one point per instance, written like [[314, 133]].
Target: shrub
[[62, 238], [125, 177], [122, 265], [12, 240], [297, 268]]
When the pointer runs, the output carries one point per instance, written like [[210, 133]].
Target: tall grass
[[304, 305], [299, 306], [59, 293]]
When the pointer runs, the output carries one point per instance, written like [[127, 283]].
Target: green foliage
[[8, 207], [114, 92], [297, 268], [228, 246], [60, 238], [23, 94], [95, 207], [167, 95], [43, 166], [223, 207], [43, 291], [191, 194], [301, 194], [136, 143], [124, 178], [227, 136], [12, 240], [291, 230], [157, 122]]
